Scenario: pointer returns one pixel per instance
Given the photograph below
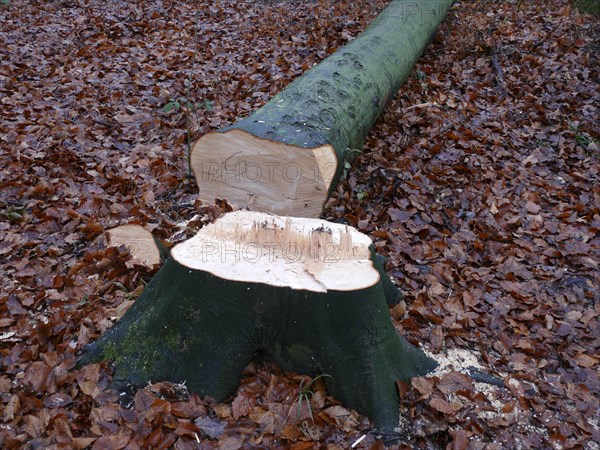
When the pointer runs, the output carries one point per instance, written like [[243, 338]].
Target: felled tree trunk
[[288, 156], [305, 292]]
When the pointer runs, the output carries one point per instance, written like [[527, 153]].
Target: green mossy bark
[[337, 101], [191, 326], [589, 6]]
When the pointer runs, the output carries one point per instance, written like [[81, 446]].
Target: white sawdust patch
[[461, 360]]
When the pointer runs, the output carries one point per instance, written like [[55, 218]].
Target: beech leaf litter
[[480, 184]]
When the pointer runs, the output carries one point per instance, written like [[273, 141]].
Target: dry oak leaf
[[461, 440], [453, 382], [342, 417], [34, 426], [12, 409], [212, 427], [443, 406], [58, 400], [81, 443], [532, 208], [302, 446], [222, 410], [422, 385], [243, 404], [586, 361], [291, 432], [87, 379], [265, 419], [116, 442], [230, 442]]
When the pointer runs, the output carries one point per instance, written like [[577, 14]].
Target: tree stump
[[307, 293]]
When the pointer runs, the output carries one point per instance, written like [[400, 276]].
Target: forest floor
[[480, 184]]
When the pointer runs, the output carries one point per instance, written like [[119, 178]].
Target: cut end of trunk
[[301, 253], [263, 175], [138, 241]]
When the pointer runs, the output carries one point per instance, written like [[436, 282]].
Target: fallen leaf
[[213, 427], [422, 385], [443, 406]]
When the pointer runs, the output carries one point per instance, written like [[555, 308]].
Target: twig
[[499, 75], [188, 123], [358, 441], [421, 105]]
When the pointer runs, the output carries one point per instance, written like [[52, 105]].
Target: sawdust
[[464, 361]]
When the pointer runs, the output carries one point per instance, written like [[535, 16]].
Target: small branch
[[499, 75], [421, 105]]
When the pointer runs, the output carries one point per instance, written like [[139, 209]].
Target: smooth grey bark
[[333, 104]]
